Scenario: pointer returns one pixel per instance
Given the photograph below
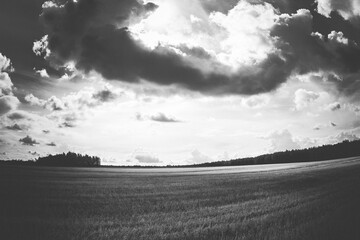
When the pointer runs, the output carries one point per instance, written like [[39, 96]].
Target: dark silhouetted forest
[[69, 159], [327, 152]]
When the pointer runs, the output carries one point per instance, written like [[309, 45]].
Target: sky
[[177, 82]]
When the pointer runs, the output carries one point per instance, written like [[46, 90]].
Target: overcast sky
[[177, 82]]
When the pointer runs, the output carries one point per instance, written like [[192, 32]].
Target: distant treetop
[[69, 159]]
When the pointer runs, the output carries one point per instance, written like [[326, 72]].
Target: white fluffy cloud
[[282, 140], [333, 106], [303, 98], [42, 73], [346, 8], [88, 97], [246, 28], [40, 47], [52, 104], [5, 81], [8, 101], [198, 157], [257, 101], [240, 37]]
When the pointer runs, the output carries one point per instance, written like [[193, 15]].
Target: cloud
[[30, 98], [70, 109], [76, 101], [147, 159], [52, 104], [334, 106], [42, 73], [198, 157], [345, 136], [161, 117], [306, 51], [304, 97], [282, 140], [322, 126], [15, 127], [46, 131], [317, 127], [34, 153], [51, 144], [8, 103], [255, 101], [40, 47], [102, 42], [139, 116], [67, 124], [346, 8], [114, 44], [17, 115], [105, 95], [28, 141], [5, 64], [6, 84]]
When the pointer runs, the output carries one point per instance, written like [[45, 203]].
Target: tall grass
[[46, 203]]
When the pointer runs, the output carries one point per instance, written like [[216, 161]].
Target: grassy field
[[284, 201]]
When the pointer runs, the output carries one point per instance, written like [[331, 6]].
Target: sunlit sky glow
[[177, 82]]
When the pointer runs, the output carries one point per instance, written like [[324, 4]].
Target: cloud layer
[[97, 36]]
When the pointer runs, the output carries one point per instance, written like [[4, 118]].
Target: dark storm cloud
[[88, 32], [306, 51], [71, 22], [19, 26], [94, 34], [28, 141]]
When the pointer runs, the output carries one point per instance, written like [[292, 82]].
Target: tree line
[[69, 159], [327, 152]]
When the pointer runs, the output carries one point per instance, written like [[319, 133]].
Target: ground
[[318, 200]]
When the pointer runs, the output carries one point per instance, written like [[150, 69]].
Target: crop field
[[318, 200]]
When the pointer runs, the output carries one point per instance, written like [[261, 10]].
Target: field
[[319, 200]]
